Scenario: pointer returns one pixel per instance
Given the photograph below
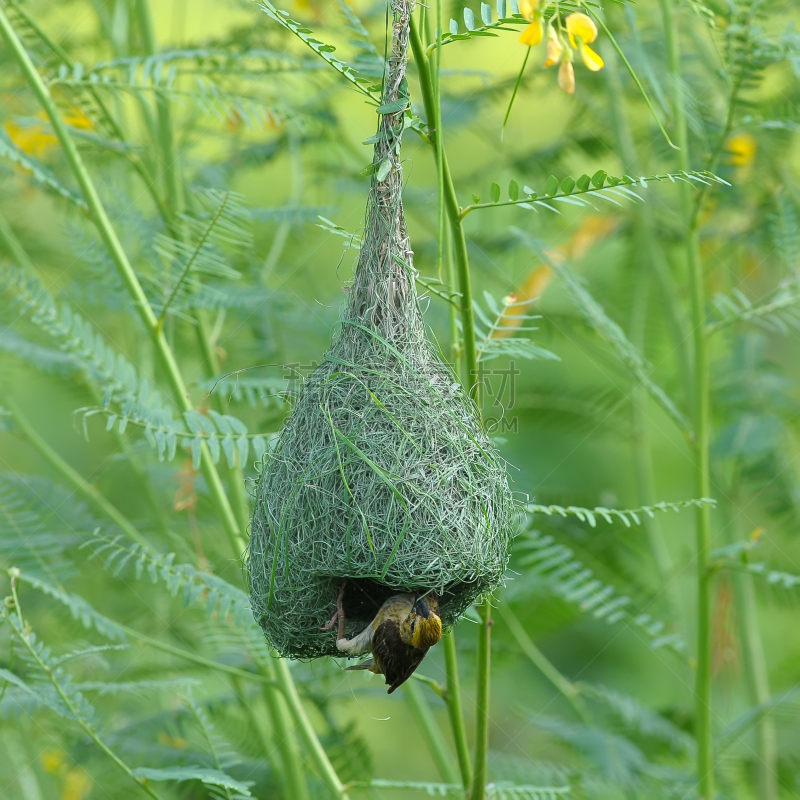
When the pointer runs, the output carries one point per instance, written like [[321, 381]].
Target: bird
[[406, 626]]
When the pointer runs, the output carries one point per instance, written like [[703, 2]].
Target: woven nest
[[382, 473]]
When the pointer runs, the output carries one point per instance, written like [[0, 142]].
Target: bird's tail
[[368, 664]]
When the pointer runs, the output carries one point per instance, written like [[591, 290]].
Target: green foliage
[[550, 566], [225, 148]]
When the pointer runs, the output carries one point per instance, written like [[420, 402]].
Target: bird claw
[[334, 620], [339, 615]]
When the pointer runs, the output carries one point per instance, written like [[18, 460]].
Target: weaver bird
[[404, 629]]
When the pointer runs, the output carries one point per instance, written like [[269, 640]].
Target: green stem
[[568, 690], [454, 709], [755, 663], [318, 755], [705, 754], [169, 161], [471, 376], [126, 271], [172, 169], [293, 773], [483, 671], [454, 215], [88, 491], [437, 746], [23, 635]]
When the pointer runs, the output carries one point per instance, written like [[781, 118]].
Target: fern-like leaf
[[495, 327], [216, 595], [325, 51], [78, 607], [779, 313], [601, 185], [115, 376], [556, 566], [628, 516], [224, 223], [224, 434]]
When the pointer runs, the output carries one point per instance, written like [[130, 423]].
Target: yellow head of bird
[[425, 623]]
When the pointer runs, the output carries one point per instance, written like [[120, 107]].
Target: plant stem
[[705, 754], [454, 709], [318, 755], [176, 197], [472, 382], [293, 773], [127, 273], [170, 167], [86, 490], [753, 656], [23, 634], [454, 214], [433, 734]]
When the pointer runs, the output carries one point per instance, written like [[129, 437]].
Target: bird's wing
[[396, 659]]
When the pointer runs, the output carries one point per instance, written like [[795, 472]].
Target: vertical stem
[[480, 776], [453, 211], [293, 774], [755, 662], [473, 384], [433, 735], [169, 161], [176, 203], [318, 755], [454, 709], [705, 754]]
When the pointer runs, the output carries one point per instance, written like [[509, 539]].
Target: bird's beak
[[421, 608]]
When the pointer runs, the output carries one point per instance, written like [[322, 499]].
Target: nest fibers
[[383, 473]]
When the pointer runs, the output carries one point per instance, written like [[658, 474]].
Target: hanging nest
[[383, 473]]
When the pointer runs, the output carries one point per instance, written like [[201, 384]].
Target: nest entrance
[[363, 597], [383, 473]]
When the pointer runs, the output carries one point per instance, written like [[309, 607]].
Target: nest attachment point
[[383, 473]]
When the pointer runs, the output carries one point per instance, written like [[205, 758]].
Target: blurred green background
[[579, 698]]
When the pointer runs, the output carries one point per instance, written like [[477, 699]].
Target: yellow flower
[[581, 27], [532, 35], [591, 59], [566, 76], [742, 149], [52, 760], [554, 47], [77, 785], [35, 139]]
